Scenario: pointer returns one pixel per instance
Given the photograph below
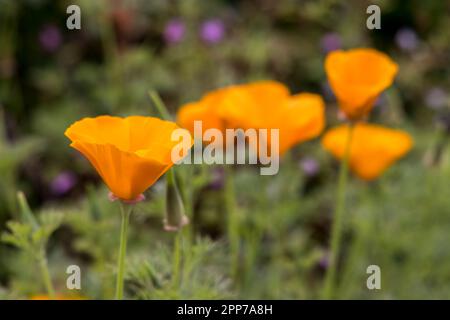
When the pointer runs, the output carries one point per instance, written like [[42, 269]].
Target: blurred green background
[[51, 76]]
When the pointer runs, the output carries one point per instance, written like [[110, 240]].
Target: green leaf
[[25, 211]]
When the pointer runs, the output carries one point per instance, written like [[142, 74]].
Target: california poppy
[[259, 105], [130, 154], [373, 148], [357, 78]]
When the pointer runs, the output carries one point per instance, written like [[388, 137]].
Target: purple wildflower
[[50, 38], [406, 39], [310, 166], [63, 183], [174, 31], [212, 31], [330, 42], [218, 180], [324, 262]]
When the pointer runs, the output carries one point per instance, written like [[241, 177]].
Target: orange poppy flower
[[130, 154], [298, 118], [220, 109], [373, 148], [357, 78], [259, 105]]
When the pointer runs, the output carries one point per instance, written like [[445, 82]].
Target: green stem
[[177, 258], [159, 104], [46, 275], [110, 49], [336, 232], [233, 221], [122, 250], [188, 205]]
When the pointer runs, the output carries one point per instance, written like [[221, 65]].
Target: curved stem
[[159, 104], [46, 276], [336, 232], [125, 212]]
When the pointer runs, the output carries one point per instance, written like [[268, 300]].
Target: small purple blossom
[[406, 39], [50, 38], [212, 31], [330, 42], [174, 31], [310, 166], [218, 179], [436, 98], [63, 183], [324, 262]]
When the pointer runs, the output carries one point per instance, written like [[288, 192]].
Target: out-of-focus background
[[51, 76]]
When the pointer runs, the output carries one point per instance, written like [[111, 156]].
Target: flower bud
[[175, 217]]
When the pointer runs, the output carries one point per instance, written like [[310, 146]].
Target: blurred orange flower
[[249, 105], [259, 105], [130, 154], [57, 297], [357, 78], [373, 148], [204, 110]]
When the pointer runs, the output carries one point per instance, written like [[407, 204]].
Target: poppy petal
[[373, 148]]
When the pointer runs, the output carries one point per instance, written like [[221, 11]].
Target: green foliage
[[12, 156], [201, 277], [30, 234]]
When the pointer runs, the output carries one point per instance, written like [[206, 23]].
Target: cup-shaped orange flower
[[259, 105], [130, 153], [357, 78], [373, 148]]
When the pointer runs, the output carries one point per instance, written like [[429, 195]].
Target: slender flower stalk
[[159, 104], [233, 221], [109, 46], [177, 256], [46, 275], [336, 232], [125, 211]]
